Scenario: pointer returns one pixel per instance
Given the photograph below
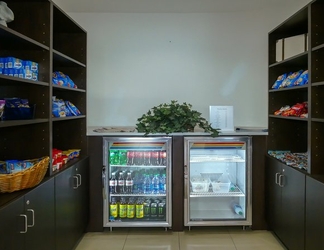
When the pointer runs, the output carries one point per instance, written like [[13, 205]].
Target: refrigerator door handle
[[185, 175], [104, 182]]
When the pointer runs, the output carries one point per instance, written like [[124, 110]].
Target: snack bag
[[58, 108], [281, 110], [279, 80], [285, 81], [303, 79], [74, 110], [293, 78]]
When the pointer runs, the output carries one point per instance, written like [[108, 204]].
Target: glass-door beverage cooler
[[137, 182], [217, 179]]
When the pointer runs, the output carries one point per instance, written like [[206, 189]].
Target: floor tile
[[198, 238], [259, 239]]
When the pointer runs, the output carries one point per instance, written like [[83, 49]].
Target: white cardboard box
[[291, 46]]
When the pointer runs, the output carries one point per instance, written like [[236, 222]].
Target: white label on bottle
[[129, 183], [112, 183], [121, 183]]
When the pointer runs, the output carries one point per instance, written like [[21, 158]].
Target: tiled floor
[[220, 238]]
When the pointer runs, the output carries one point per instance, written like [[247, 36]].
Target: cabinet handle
[[33, 217], [77, 181], [276, 178], [25, 216], [79, 184], [280, 181]]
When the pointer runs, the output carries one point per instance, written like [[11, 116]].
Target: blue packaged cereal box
[[30, 65], [13, 63]]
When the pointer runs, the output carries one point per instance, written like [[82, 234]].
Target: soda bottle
[[130, 208], [147, 208], [129, 184], [153, 209], [122, 208], [163, 158], [122, 157], [155, 155], [121, 183], [156, 184], [130, 157], [112, 154], [161, 209], [116, 157], [112, 184], [139, 209], [147, 158], [113, 209], [163, 184]]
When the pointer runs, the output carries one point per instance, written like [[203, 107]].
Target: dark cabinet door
[[273, 193], [285, 203], [314, 228], [82, 196], [71, 192], [39, 208], [65, 207], [13, 225], [292, 226]]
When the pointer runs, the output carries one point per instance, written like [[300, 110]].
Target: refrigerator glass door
[[137, 177], [217, 181]]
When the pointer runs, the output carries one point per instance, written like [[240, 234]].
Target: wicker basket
[[24, 179]]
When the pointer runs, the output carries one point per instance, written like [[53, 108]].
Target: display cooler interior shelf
[[221, 158], [318, 47], [138, 166], [235, 193], [213, 215], [138, 195]]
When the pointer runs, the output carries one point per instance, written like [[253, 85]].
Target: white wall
[[138, 60]]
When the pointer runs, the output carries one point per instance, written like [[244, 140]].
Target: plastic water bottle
[[147, 184], [163, 184], [237, 209], [156, 184]]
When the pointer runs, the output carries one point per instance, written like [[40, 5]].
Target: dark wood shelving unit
[[39, 33], [288, 186]]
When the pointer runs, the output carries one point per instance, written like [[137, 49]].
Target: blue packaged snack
[[74, 110], [58, 78], [13, 63], [303, 79], [58, 108], [279, 80], [30, 65], [293, 78], [2, 62], [13, 166], [3, 167]]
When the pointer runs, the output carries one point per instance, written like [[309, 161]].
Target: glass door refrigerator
[[217, 179], [137, 182]]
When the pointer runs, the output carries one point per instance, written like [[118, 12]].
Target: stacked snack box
[[16, 67]]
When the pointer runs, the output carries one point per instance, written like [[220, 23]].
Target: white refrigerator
[[217, 181]]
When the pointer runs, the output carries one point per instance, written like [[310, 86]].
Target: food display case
[[217, 181]]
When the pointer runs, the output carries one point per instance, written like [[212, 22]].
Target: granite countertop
[[131, 131]]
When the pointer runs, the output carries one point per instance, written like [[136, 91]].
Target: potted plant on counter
[[173, 117]]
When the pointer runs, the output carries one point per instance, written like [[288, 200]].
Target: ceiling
[[169, 6]]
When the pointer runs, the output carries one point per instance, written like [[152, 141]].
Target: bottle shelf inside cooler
[[235, 193], [214, 215], [216, 158], [138, 195], [138, 166]]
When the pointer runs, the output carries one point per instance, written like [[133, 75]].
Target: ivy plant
[[173, 117]]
